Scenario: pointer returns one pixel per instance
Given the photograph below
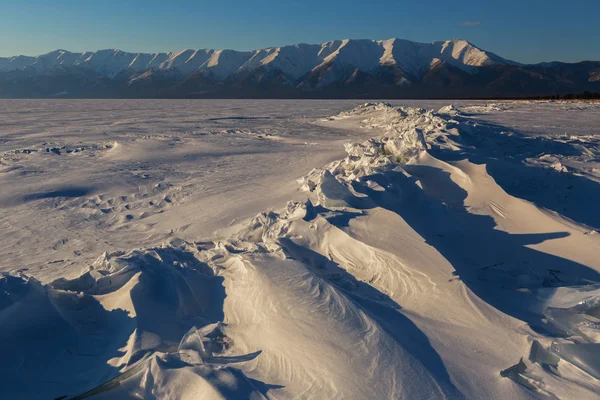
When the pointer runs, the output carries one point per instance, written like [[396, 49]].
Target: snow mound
[[196, 367], [449, 110], [397, 263], [574, 321], [402, 141], [126, 307]]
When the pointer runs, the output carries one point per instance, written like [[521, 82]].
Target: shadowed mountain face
[[392, 68]]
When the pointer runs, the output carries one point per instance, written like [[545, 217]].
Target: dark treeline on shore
[[570, 96]]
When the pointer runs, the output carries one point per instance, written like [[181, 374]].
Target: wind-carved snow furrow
[[407, 134], [128, 314], [375, 267], [291, 305], [175, 289], [316, 293], [294, 299]]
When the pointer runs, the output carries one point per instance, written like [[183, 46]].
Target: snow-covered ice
[[299, 249]]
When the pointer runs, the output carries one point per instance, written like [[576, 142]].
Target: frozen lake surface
[[299, 249], [118, 168]]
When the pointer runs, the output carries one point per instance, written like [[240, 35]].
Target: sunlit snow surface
[[299, 249]]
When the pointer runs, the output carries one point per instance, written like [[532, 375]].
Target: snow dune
[[443, 256]]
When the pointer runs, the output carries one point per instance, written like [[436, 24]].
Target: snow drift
[[408, 272]]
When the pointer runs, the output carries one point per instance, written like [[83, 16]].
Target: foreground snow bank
[[79, 333], [408, 272]]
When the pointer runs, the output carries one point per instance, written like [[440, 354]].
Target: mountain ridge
[[201, 58], [391, 68]]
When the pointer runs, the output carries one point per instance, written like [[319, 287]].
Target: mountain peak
[[388, 64], [294, 60]]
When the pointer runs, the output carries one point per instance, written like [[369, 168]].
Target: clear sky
[[522, 30]]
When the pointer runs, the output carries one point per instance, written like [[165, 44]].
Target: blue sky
[[523, 30]]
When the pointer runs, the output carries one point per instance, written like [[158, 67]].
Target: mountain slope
[[392, 68]]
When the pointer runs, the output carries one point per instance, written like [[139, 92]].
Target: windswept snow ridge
[[412, 270]]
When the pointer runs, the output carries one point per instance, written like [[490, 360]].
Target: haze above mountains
[[392, 68]]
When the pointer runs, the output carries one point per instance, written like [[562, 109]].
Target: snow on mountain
[[362, 54], [415, 58], [294, 61], [145, 61], [464, 53], [18, 62], [223, 63], [185, 61], [350, 68], [110, 62], [58, 58]]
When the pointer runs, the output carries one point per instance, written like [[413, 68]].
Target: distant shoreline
[[564, 98]]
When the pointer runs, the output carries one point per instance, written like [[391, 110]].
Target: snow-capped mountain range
[[294, 61], [339, 68]]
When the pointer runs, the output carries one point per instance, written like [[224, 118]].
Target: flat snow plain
[[299, 249]]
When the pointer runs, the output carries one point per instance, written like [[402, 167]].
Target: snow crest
[[402, 142], [297, 292]]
